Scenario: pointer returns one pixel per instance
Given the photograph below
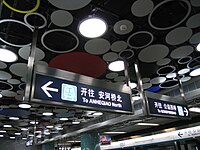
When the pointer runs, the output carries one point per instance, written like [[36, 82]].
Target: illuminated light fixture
[[12, 137], [24, 129], [24, 105], [73, 141], [92, 27], [7, 55], [133, 85], [63, 119], [114, 132], [47, 114], [7, 126], [147, 124], [76, 122], [34, 122], [17, 133], [59, 128], [1, 95], [194, 109], [2, 131], [198, 47], [24, 138], [195, 72], [136, 98], [39, 136], [97, 114], [116, 65], [31, 135], [1, 135], [14, 118], [169, 129], [50, 127], [47, 133]]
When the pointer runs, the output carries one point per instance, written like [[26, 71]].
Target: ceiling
[[161, 35]]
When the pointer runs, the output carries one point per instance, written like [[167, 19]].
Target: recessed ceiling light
[[92, 27], [14, 118], [198, 47], [7, 126], [24, 129], [47, 133], [2, 131], [39, 136], [1, 135], [76, 122], [1, 95], [7, 55], [136, 98], [114, 132], [17, 133], [12, 137], [47, 113], [31, 135], [132, 85], [24, 138], [194, 109], [147, 124], [97, 114], [50, 127], [116, 65], [59, 128], [195, 72], [24, 105], [34, 122], [63, 119]]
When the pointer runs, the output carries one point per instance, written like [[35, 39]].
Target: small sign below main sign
[[57, 90], [167, 109]]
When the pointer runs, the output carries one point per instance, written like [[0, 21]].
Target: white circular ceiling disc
[[24, 52], [141, 8], [158, 80], [195, 39], [5, 75], [110, 56], [61, 18], [182, 52], [119, 46], [97, 46], [193, 22], [123, 27], [163, 62], [70, 4], [19, 69], [153, 53], [178, 36]]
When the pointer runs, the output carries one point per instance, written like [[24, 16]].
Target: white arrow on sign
[[186, 111], [46, 89]]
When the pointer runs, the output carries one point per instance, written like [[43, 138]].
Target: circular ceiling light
[[7, 126], [116, 65], [92, 27], [63, 119], [97, 114], [47, 114], [133, 85], [14, 118], [76, 122], [198, 47], [7, 55], [195, 72], [24, 105]]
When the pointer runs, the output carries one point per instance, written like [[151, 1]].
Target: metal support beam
[[30, 65], [140, 87]]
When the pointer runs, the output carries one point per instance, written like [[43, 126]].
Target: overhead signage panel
[[167, 109], [59, 91]]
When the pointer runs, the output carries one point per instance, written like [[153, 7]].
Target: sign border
[[69, 76]]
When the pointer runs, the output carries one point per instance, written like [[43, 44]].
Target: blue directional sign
[[55, 90], [167, 109]]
